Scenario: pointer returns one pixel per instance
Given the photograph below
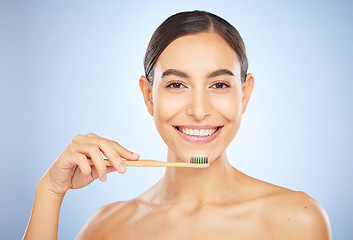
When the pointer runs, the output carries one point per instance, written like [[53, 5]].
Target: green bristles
[[199, 159]]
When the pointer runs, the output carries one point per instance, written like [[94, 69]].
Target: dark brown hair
[[186, 23]]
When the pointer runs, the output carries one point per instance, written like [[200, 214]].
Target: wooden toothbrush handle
[[154, 163]]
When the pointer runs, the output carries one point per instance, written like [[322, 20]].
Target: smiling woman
[[196, 88], [197, 85]]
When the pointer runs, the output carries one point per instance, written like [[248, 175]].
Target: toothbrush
[[197, 161]]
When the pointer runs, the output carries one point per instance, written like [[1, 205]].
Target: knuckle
[[86, 171], [90, 135], [71, 146], [102, 142], [106, 141], [92, 148], [81, 158], [116, 157], [114, 143], [77, 138], [64, 156]]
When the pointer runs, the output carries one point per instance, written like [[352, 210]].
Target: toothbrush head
[[199, 159]]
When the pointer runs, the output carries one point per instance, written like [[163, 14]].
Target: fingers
[[92, 152], [123, 152], [95, 175], [108, 150], [82, 164], [92, 146]]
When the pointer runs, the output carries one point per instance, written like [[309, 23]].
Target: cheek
[[229, 107], [166, 106]]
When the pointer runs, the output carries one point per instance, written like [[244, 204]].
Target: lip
[[195, 139]]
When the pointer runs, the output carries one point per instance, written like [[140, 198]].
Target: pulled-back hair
[[186, 23]]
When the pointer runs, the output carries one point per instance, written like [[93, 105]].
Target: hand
[[71, 168]]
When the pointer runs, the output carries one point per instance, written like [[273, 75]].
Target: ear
[[146, 90], [247, 90]]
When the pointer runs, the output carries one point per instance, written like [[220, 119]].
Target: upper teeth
[[198, 132]]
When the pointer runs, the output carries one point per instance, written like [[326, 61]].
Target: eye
[[175, 84], [219, 85]]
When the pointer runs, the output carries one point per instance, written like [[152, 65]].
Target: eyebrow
[[220, 72], [182, 74]]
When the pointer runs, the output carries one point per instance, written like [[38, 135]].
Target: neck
[[193, 186]]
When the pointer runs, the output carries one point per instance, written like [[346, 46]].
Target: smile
[[198, 134]]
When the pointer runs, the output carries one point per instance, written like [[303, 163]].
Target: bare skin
[[191, 90], [240, 208]]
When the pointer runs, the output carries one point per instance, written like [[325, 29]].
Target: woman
[[196, 87]]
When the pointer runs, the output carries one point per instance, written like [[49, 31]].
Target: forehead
[[200, 52]]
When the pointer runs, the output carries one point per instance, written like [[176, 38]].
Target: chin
[[184, 154]]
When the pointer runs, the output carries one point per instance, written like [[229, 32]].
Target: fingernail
[[122, 168], [104, 178], [135, 155]]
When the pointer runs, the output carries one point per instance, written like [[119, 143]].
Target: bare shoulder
[[106, 218], [295, 215], [288, 214]]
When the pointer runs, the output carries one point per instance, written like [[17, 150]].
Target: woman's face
[[196, 98]]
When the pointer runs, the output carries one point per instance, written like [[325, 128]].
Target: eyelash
[[172, 84], [178, 85], [224, 85]]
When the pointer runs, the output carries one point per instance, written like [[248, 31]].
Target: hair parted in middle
[[187, 23]]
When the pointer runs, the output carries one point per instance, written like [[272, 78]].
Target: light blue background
[[72, 67]]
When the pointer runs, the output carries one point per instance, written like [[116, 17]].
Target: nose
[[199, 105]]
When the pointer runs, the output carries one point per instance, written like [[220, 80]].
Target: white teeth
[[197, 132], [191, 132]]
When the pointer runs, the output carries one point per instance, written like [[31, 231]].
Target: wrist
[[47, 187], [43, 223]]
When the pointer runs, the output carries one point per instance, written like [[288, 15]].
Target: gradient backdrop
[[72, 67]]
